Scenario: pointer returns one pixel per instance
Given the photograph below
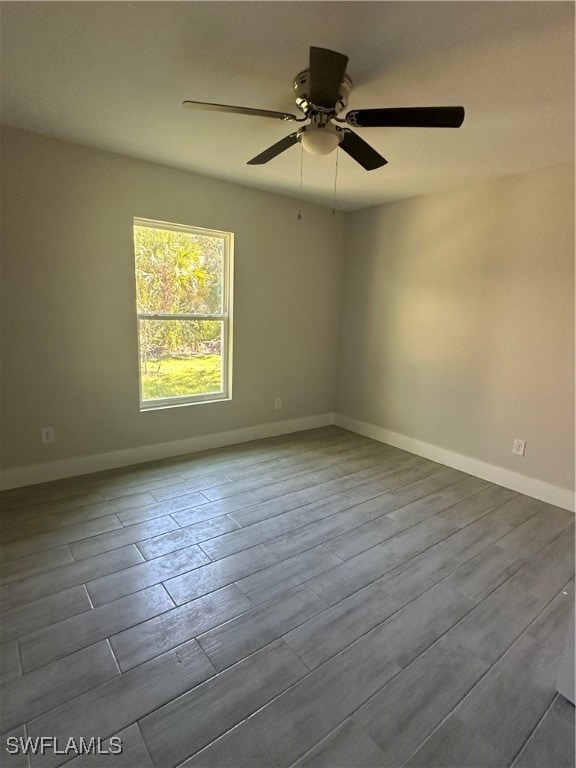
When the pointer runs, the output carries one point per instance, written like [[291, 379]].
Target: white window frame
[[225, 318]]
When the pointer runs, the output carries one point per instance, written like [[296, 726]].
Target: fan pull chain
[[301, 173], [335, 181]]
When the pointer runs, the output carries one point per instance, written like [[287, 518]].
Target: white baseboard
[[538, 489], [82, 465]]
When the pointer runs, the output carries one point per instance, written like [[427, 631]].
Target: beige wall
[[457, 325], [69, 355], [451, 322]]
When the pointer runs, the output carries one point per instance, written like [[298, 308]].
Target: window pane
[[178, 272], [180, 357]]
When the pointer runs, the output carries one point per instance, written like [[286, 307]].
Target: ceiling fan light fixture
[[320, 139]]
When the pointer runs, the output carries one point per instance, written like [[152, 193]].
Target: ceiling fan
[[322, 93]]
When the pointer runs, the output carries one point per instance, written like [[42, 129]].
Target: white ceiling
[[114, 74]]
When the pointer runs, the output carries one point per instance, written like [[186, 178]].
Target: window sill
[[161, 405]]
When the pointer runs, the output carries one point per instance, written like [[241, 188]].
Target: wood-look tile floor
[[317, 599]]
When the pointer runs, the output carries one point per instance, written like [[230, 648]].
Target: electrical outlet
[[518, 447], [48, 435], [277, 403]]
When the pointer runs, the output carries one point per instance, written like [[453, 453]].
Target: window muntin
[[183, 303]]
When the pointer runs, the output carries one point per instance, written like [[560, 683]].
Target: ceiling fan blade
[[362, 152], [407, 117], [275, 149], [327, 70], [238, 110]]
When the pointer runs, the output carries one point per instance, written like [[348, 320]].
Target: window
[[183, 302]]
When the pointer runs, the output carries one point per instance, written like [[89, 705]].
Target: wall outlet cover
[[518, 447]]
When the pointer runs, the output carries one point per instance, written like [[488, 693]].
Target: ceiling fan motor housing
[[301, 87]]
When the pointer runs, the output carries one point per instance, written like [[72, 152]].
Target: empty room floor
[[315, 599]]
